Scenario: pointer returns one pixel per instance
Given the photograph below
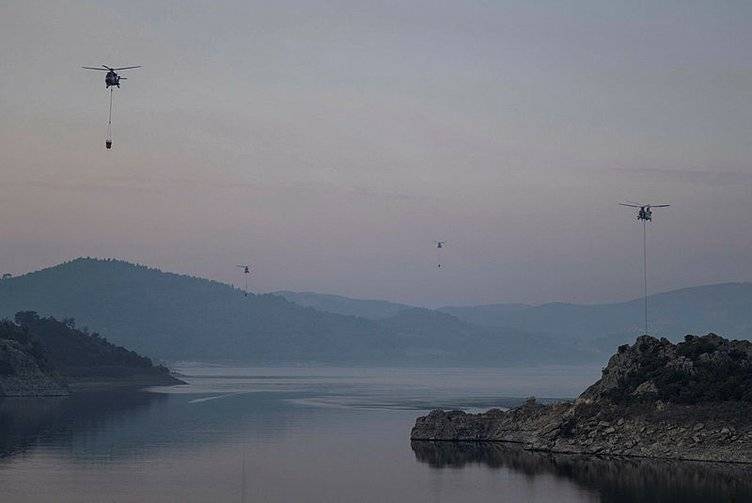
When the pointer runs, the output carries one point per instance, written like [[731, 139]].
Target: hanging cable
[[108, 139], [645, 269]]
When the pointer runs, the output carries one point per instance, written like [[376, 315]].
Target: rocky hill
[[691, 400], [24, 371], [46, 357]]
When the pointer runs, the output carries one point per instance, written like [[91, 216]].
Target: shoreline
[[587, 454], [117, 384], [688, 401], [710, 432], [69, 386]]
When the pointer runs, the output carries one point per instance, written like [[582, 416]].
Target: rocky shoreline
[[38, 384], [652, 402], [22, 374]]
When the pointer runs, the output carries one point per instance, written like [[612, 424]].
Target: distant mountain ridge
[[365, 308], [725, 308], [488, 315], [175, 317]]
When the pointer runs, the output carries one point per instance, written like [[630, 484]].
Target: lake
[[317, 435]]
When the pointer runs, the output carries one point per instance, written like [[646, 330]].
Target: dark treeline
[[61, 347], [698, 370]]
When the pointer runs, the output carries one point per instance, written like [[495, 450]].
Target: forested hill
[[179, 317], [43, 356], [173, 317], [371, 309], [75, 353]]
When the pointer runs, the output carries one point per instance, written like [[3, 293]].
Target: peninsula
[[655, 399]]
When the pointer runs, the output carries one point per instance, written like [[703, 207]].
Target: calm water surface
[[318, 435]]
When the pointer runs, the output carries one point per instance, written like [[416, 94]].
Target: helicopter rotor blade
[[92, 68], [630, 205], [125, 68], [110, 69], [659, 205]]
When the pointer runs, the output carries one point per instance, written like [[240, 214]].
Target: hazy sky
[[330, 143]]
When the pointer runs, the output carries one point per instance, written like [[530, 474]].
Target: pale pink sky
[[330, 143]]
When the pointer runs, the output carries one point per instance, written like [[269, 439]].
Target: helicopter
[[112, 78], [645, 212], [246, 272], [439, 246]]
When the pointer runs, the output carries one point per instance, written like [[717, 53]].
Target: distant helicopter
[[112, 78], [439, 246], [645, 212], [246, 272]]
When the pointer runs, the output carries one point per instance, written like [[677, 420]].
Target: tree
[[26, 317]]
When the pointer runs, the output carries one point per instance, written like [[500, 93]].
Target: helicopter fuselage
[[111, 79]]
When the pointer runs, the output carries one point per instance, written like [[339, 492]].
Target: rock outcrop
[[46, 357], [691, 400], [23, 374]]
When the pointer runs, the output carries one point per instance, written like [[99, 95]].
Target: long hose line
[[109, 119], [645, 269]]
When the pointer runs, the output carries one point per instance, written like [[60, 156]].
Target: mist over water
[[313, 434]]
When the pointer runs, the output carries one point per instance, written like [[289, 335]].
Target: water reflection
[[616, 480], [304, 435], [105, 426], [25, 422]]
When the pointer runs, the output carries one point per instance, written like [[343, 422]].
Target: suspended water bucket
[[108, 144]]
